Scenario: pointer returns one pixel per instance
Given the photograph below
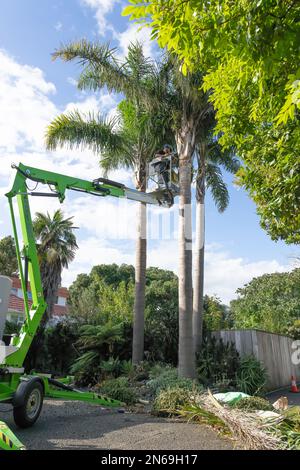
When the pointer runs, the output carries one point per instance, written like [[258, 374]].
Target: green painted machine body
[[11, 367], [59, 184]]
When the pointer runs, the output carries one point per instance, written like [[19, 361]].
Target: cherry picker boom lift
[[26, 392]]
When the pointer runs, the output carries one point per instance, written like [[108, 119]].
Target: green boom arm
[[15, 354]]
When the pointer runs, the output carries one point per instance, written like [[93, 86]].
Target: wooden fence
[[274, 351]]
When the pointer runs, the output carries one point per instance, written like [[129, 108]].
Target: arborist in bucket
[[163, 167]]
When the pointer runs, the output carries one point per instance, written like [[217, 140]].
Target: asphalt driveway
[[75, 425]]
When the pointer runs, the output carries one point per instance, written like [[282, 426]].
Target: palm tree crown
[[56, 244]]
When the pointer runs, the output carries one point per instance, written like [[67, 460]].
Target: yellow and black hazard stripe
[[8, 442], [106, 399]]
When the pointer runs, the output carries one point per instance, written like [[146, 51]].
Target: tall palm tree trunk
[[51, 280], [199, 253], [140, 283], [140, 280], [186, 352], [199, 275]]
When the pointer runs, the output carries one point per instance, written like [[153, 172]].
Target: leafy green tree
[[56, 245], [113, 274], [8, 257], [106, 294], [116, 303], [251, 50], [86, 309], [81, 283], [270, 302], [215, 314], [161, 320], [128, 142], [109, 294]]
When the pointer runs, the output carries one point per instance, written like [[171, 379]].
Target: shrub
[[141, 372], [222, 383], [169, 379], [11, 327], [119, 389], [217, 362], [168, 401], [253, 403], [96, 342], [86, 369], [127, 368], [159, 368], [251, 376], [294, 330], [59, 341], [52, 349], [289, 428], [112, 367]]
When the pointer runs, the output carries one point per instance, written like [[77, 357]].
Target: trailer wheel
[[27, 414]]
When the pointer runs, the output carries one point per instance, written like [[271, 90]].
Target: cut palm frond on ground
[[251, 432]]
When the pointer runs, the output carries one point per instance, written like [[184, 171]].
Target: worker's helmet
[[168, 147]]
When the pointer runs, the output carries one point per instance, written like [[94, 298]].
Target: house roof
[[16, 303], [62, 291]]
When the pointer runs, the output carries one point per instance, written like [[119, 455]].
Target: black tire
[[26, 415]]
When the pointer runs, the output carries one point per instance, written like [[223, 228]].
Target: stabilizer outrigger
[[8, 441], [26, 392]]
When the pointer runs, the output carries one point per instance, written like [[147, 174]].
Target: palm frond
[[86, 53], [215, 182], [57, 242], [93, 337], [226, 158], [77, 130], [102, 68]]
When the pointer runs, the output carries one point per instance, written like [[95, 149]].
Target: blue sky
[[34, 89]]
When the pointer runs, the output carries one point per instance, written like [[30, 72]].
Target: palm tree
[[127, 141], [210, 159], [188, 109], [56, 245]]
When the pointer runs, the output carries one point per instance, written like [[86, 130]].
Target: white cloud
[[58, 26], [26, 108], [103, 103], [111, 219], [132, 34], [72, 81], [225, 273], [103, 8], [93, 251]]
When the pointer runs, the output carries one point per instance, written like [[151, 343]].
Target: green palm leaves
[[56, 249], [57, 242]]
